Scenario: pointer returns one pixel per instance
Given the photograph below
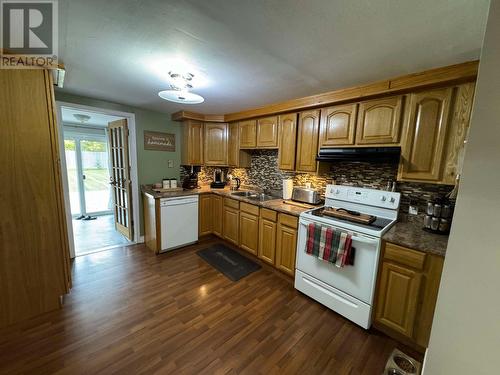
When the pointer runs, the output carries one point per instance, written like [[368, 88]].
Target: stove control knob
[[337, 191], [392, 200], [383, 198]]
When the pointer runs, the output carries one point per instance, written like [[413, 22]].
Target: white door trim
[[133, 164]]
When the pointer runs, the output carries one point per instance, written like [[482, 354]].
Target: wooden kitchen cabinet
[[215, 144], [307, 141], [231, 220], [248, 134], [249, 228], [267, 235], [338, 125], [192, 143], [205, 216], [218, 215], [422, 152], [379, 121], [236, 158], [286, 243], [267, 132], [287, 141], [408, 283]]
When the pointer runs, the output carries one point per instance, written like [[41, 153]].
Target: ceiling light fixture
[[179, 92], [81, 117]]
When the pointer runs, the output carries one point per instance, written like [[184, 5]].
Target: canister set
[[438, 217], [169, 183]]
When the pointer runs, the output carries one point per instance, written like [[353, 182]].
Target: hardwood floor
[[131, 312]]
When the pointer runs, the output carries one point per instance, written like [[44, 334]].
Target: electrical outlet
[[170, 163], [413, 210]]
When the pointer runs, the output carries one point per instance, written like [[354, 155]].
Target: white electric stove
[[348, 290]]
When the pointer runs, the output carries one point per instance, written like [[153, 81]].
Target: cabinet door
[[267, 240], [398, 295], [422, 152], [286, 244], [205, 215], [267, 132], [249, 232], [287, 131], [379, 121], [217, 215], [248, 134], [307, 143], [216, 139], [337, 125], [192, 143], [235, 157], [231, 224]]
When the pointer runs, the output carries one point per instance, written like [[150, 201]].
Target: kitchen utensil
[[219, 181], [427, 221], [430, 208], [345, 214], [235, 183], [435, 223], [437, 210], [305, 195]]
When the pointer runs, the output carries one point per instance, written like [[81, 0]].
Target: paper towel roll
[[287, 188]]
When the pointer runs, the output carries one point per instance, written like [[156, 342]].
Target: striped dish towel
[[330, 245]]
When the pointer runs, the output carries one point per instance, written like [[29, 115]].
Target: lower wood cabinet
[[231, 222], [205, 217], [286, 243], [218, 213], [249, 232], [406, 296], [267, 235]]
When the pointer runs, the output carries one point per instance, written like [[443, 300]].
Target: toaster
[[306, 195]]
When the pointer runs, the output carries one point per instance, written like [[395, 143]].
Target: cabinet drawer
[[403, 255], [268, 214], [231, 203], [289, 221], [249, 208]]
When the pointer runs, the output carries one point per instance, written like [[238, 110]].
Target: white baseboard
[[140, 239]]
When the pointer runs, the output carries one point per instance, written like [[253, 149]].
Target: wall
[[465, 337], [265, 174], [152, 165]]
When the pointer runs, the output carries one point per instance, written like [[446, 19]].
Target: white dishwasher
[[179, 222]]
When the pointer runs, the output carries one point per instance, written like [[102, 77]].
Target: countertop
[[408, 232], [275, 204]]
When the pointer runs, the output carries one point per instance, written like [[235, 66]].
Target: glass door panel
[[70, 149], [95, 168]]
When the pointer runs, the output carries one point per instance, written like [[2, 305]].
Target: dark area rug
[[227, 261]]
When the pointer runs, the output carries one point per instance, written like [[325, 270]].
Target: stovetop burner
[[379, 224]]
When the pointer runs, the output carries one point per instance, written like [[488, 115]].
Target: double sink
[[253, 195]]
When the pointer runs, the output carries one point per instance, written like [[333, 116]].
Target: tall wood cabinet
[[427, 125], [192, 143], [34, 265], [286, 243], [307, 141], [287, 141], [338, 125], [215, 144]]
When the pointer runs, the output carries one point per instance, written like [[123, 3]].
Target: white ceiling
[[96, 119], [256, 52]]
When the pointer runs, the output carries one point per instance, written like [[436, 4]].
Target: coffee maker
[[219, 181], [191, 181]]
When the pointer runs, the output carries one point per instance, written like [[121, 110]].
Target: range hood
[[359, 154]]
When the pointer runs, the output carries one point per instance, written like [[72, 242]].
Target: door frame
[[132, 140]]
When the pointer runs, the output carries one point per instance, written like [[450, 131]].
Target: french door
[[87, 160], [120, 176]]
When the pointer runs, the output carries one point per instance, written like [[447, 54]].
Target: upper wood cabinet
[[286, 243], [192, 143], [287, 135], [248, 134], [338, 125], [216, 141], [267, 132], [235, 157], [307, 141], [379, 121], [427, 125]]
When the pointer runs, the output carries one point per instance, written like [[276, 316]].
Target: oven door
[[357, 281]]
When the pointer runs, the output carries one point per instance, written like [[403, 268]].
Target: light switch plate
[[170, 163], [413, 210]]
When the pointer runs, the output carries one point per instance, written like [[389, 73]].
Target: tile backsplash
[[265, 174]]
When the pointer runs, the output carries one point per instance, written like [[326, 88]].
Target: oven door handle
[[355, 237]]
